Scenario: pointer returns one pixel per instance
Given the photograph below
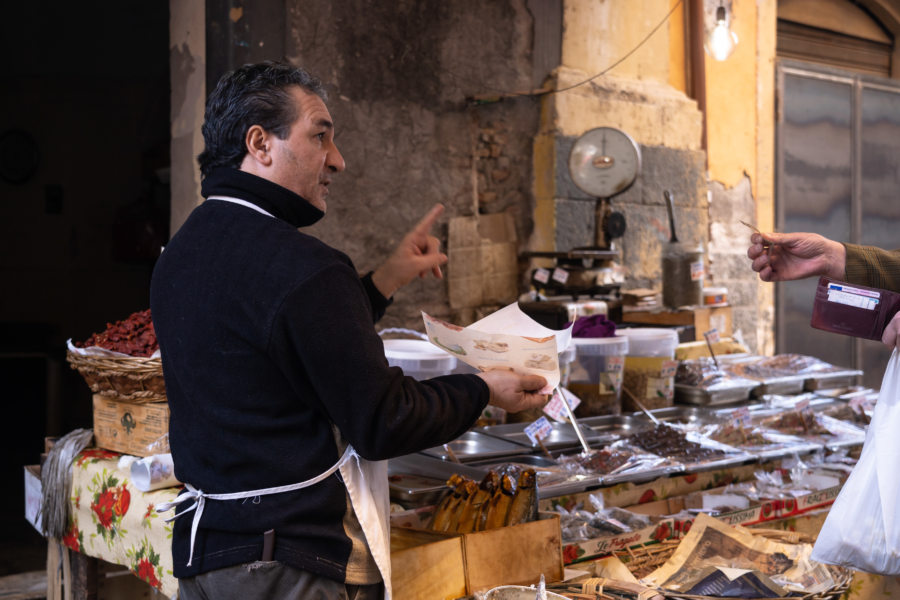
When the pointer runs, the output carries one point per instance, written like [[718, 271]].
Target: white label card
[[741, 417], [852, 296], [556, 410], [538, 430], [669, 368], [542, 275], [560, 275], [712, 336], [697, 270]]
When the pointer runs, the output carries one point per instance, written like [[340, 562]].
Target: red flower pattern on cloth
[[94, 455], [109, 503], [74, 538], [145, 563]]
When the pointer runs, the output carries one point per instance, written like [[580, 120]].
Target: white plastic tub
[[418, 358]]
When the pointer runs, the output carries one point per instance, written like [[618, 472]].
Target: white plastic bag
[[862, 530]]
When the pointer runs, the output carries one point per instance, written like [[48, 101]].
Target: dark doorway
[[84, 201]]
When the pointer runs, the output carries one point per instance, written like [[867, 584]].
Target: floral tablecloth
[[112, 520]]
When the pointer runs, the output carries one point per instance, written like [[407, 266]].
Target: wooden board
[[425, 564], [702, 319], [516, 555]]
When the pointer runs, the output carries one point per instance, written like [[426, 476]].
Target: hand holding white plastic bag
[[862, 530]]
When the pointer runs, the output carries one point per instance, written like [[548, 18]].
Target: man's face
[[305, 161]]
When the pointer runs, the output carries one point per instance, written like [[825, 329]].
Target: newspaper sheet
[[712, 543]]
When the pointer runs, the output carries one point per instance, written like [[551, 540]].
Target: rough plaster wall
[[399, 75], [728, 262], [643, 204]]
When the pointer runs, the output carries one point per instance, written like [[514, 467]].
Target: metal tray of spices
[[833, 379], [475, 444], [562, 435], [610, 428], [690, 394], [684, 415]]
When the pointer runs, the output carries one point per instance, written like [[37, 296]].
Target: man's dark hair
[[255, 94]]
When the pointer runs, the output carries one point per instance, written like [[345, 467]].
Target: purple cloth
[[594, 326]]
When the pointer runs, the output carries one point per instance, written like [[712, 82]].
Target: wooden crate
[[515, 555], [425, 564], [702, 319], [137, 429]]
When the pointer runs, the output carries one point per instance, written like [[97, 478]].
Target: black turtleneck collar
[[269, 196]]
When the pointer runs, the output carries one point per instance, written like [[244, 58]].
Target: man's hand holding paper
[[505, 340]]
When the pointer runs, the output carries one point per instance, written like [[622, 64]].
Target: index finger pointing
[[425, 225]]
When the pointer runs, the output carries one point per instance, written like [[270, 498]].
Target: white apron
[[367, 485]]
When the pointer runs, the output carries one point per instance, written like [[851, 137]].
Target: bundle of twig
[[56, 481]]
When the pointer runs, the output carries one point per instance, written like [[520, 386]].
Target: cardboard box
[[33, 496], [514, 555], [606, 545], [130, 428]]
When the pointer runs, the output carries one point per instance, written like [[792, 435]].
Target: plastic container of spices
[[650, 365], [715, 296], [596, 375]]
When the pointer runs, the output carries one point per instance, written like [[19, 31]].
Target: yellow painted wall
[[740, 121]]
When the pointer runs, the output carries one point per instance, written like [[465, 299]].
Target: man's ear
[[259, 145]]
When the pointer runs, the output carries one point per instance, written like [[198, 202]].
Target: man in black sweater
[[283, 407]]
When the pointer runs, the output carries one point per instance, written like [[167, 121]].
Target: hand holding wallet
[[852, 309]]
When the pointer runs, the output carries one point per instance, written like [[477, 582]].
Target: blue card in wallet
[[852, 309]]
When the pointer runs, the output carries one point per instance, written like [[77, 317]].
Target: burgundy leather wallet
[[852, 309]]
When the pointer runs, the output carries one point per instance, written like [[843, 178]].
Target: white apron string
[[199, 497]]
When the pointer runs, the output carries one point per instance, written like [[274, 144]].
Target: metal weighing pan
[[475, 444]]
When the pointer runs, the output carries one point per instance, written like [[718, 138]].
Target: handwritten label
[[541, 275], [712, 336], [538, 430], [556, 410], [560, 275], [741, 417], [668, 369]]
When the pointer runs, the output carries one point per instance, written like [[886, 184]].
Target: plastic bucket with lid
[[596, 375], [650, 366], [418, 358]]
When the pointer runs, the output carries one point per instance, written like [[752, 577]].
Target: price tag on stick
[[712, 336]]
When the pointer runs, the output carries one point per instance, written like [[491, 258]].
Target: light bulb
[[721, 40]]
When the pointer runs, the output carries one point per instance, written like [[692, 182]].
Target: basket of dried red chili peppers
[[123, 361]]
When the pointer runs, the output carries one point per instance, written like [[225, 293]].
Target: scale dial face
[[604, 162]]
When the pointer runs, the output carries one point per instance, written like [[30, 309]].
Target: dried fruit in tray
[[664, 440], [133, 336]]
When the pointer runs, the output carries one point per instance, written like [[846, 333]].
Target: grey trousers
[[271, 580]]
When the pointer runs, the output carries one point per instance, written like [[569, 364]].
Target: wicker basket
[[644, 560], [130, 378]]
